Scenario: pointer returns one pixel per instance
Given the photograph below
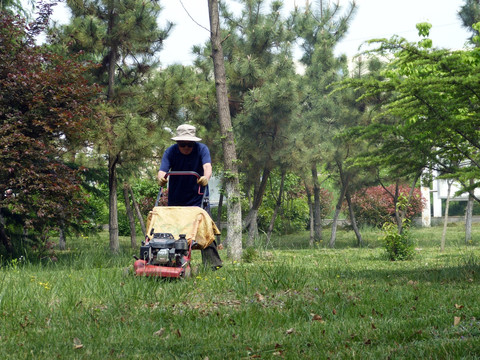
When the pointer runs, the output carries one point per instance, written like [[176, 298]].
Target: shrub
[[146, 192], [374, 206], [398, 246]]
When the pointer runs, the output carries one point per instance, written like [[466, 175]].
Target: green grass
[[290, 302]]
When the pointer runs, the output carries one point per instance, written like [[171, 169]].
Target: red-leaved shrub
[[374, 205]]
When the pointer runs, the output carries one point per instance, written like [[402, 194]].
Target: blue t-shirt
[[183, 189]]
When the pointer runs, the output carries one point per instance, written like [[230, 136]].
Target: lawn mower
[[172, 233]]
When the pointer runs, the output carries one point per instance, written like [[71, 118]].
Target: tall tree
[[320, 30], [232, 187], [431, 116], [343, 148], [267, 112], [45, 102], [262, 100], [124, 37]]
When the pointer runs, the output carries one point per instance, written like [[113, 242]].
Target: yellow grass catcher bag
[[192, 221]]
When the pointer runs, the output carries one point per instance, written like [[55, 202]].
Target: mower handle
[[193, 173]]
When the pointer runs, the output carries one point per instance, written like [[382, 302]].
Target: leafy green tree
[[262, 93], [267, 113], [348, 176], [430, 118], [45, 102], [124, 37], [320, 30]]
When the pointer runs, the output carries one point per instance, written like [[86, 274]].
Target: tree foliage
[[431, 118], [45, 101], [124, 38], [323, 113]]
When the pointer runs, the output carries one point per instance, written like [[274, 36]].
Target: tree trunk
[[62, 243], [137, 211], [257, 202], [131, 218], [112, 159], [353, 221], [311, 240], [252, 228], [338, 208], [232, 187], [317, 218], [113, 211], [398, 213], [277, 208], [112, 55], [468, 218], [445, 218]]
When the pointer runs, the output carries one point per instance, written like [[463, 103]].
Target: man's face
[[186, 147]]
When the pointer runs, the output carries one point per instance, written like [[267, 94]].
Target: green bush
[[145, 191], [398, 246]]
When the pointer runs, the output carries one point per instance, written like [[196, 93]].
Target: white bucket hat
[[186, 132]]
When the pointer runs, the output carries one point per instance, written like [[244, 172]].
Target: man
[[188, 154]]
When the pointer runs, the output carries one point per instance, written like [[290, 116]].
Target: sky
[[373, 19]]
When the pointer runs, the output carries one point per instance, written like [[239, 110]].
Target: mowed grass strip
[[286, 303]]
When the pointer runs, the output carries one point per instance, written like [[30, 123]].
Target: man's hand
[[202, 180], [162, 182]]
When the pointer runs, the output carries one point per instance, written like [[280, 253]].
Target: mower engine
[[164, 250]]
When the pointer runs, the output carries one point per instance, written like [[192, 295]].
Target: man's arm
[[207, 170], [207, 174], [165, 165]]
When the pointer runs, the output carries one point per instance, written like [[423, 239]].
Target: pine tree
[[124, 37], [470, 15], [320, 30], [262, 89]]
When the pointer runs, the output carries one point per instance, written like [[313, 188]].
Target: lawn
[[287, 301]]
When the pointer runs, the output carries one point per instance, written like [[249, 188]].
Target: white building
[[439, 192]]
